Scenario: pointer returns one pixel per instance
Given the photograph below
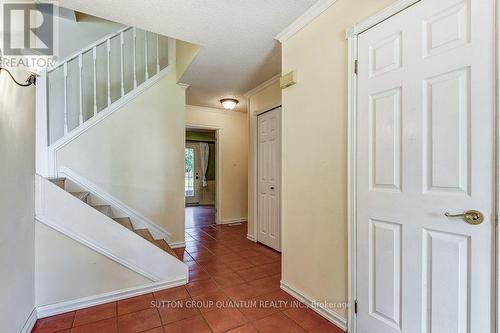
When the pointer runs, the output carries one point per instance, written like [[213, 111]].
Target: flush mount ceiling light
[[229, 103]]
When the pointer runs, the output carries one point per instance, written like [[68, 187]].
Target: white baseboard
[[328, 314], [137, 218], [237, 220], [176, 245], [30, 322], [251, 238], [81, 303]]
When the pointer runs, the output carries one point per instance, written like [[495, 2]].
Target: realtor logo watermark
[[29, 34]]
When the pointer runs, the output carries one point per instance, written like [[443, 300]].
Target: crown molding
[[263, 85], [319, 7], [183, 85]]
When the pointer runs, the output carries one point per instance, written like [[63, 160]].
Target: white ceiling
[[237, 38]]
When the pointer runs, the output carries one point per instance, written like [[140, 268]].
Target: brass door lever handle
[[473, 217]]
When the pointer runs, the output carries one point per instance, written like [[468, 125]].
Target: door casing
[[218, 174], [352, 38]]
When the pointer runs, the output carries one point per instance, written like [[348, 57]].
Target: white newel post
[[42, 126]]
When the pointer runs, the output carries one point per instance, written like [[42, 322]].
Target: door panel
[[269, 175], [425, 127], [446, 130], [385, 136], [385, 271], [446, 279]]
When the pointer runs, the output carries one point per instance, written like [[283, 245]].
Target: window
[[189, 172]]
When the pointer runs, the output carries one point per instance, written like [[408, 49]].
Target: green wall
[[210, 139]]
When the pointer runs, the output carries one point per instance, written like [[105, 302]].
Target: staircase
[[107, 210]]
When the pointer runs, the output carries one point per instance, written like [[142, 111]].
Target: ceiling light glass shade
[[229, 103]]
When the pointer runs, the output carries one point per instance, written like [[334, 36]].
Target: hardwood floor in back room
[[234, 287], [199, 216]]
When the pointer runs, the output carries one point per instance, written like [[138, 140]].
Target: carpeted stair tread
[[162, 244], [125, 221], [105, 209], [144, 233], [81, 195], [58, 181]]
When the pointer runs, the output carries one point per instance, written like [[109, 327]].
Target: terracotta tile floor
[[234, 287]]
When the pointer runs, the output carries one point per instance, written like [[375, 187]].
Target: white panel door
[[425, 147], [269, 175]]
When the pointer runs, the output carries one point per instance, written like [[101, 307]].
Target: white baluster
[[135, 56], [94, 56], [121, 65], [65, 98], [146, 53], [42, 131], [108, 46], [157, 53], [80, 67]]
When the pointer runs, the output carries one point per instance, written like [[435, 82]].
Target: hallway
[[199, 216], [234, 287]]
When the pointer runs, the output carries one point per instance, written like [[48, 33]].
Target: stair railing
[[80, 107]]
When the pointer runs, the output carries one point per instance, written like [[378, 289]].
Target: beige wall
[[315, 153], [137, 155], [17, 216], [233, 140], [268, 97], [185, 54]]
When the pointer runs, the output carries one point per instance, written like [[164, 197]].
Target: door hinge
[[356, 67], [356, 306]]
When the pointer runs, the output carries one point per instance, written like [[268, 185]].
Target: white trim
[[496, 87], [30, 322], [41, 126], [262, 86], [176, 245], [251, 238], [381, 16], [65, 140], [81, 303], [137, 218], [351, 181], [315, 305], [319, 7], [237, 220], [218, 165], [97, 248]]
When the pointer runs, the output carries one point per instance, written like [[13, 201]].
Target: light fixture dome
[[229, 103]]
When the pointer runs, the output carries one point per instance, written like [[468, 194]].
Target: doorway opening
[[200, 177]]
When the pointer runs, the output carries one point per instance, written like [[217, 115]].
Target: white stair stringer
[[74, 182], [74, 218]]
